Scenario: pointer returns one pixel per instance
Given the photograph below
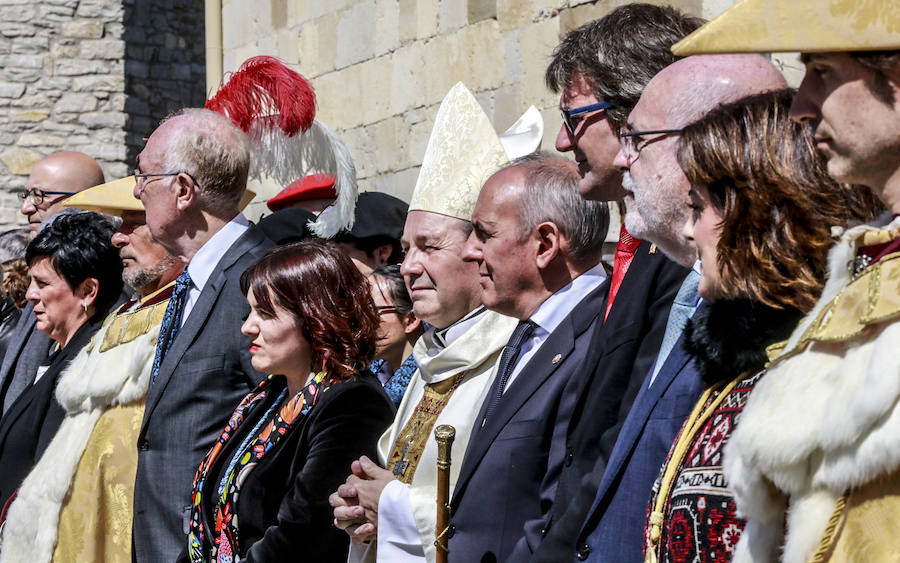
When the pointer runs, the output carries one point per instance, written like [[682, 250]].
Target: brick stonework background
[[93, 76]]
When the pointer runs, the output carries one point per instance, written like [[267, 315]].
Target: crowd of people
[[181, 384]]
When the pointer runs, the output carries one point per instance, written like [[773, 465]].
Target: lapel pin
[[653, 249], [556, 358]]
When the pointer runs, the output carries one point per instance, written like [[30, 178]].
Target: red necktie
[[624, 255]]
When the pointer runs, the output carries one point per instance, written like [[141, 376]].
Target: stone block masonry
[[94, 76], [381, 67]]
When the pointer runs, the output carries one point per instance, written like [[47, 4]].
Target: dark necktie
[[171, 322], [508, 358]]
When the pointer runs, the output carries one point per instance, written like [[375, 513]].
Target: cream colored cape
[[96, 380], [476, 353], [825, 418]]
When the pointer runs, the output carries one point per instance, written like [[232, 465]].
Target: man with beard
[[656, 201], [830, 492], [85, 480]]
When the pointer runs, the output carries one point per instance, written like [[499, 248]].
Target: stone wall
[[92, 76], [381, 67]]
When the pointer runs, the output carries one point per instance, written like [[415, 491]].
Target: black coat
[[33, 419], [283, 509], [625, 350]]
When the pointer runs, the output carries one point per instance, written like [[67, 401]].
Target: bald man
[[54, 178], [656, 201]]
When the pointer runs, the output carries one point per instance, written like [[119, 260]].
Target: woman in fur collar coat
[[762, 207]]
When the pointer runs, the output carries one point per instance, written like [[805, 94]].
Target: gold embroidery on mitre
[[462, 153]]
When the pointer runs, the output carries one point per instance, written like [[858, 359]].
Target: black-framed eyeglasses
[[633, 142], [37, 196], [572, 117]]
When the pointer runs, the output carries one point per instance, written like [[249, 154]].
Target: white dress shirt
[[552, 312], [207, 258]]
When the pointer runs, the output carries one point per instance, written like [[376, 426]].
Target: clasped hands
[[355, 503]]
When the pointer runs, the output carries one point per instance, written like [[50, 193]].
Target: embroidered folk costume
[[692, 515], [76, 504], [815, 462]]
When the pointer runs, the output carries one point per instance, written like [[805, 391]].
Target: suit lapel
[[198, 316], [552, 354], [637, 418]]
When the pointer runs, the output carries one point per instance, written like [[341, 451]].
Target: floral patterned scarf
[[271, 428]]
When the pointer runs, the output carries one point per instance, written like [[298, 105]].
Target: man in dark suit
[[52, 180], [537, 244], [596, 97], [193, 172], [657, 207]]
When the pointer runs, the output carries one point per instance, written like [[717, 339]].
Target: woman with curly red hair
[[261, 494]]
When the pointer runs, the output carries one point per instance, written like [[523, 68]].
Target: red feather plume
[[264, 87]]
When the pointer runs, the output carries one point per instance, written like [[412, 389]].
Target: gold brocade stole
[[410, 443]]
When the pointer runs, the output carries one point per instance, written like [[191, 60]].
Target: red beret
[[316, 186]]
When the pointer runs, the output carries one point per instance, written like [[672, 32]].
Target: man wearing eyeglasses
[[191, 177], [599, 70], [656, 194], [830, 492], [54, 178]]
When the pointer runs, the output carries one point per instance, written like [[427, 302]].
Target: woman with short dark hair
[[261, 494], [76, 278], [763, 208]]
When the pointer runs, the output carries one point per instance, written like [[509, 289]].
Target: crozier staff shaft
[[444, 435]]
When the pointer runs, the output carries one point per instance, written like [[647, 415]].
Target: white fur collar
[[829, 417], [93, 382]]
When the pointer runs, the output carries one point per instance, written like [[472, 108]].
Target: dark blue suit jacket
[[626, 348], [614, 527], [508, 477]]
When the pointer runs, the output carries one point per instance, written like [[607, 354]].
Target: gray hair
[[215, 153], [550, 194]]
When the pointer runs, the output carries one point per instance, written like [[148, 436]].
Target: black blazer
[[33, 419], [283, 510], [508, 476], [626, 349], [204, 376]]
